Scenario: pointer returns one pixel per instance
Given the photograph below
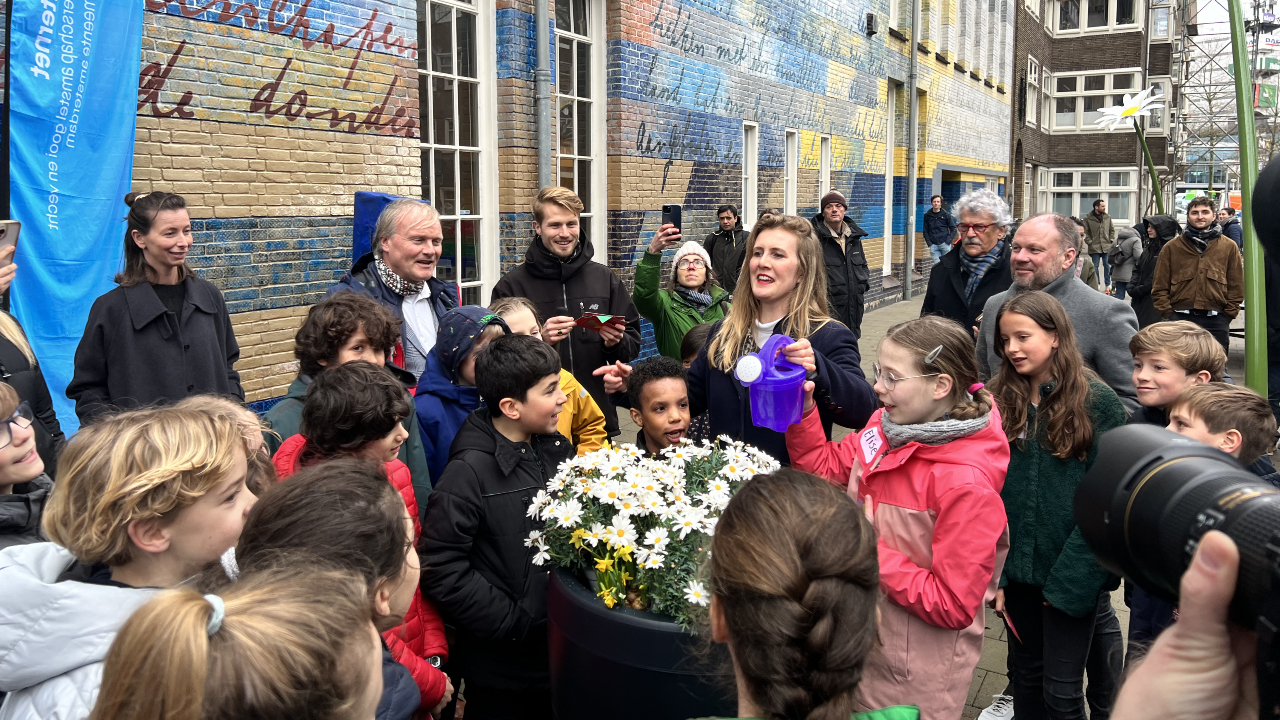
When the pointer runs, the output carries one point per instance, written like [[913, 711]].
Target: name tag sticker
[[872, 441]]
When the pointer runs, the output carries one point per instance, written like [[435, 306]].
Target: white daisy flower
[[568, 513], [653, 560], [696, 593], [594, 534], [658, 538], [690, 521], [535, 536], [620, 534], [541, 557]]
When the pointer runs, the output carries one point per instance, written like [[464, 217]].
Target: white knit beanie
[[692, 247]]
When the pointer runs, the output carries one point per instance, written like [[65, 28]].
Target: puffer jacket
[[410, 352], [422, 634], [21, 510], [285, 418], [728, 250], [400, 695], [1144, 277], [476, 565], [848, 278], [441, 407], [55, 633], [580, 419], [943, 541], [672, 316], [1124, 254], [1232, 229]]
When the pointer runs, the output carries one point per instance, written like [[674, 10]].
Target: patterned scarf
[[975, 268], [699, 300], [398, 285], [1200, 238], [937, 432]]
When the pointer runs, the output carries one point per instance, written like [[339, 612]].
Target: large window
[[1033, 90], [574, 101], [1078, 99], [1074, 192], [1157, 119], [449, 98], [750, 173], [1081, 16], [1161, 23], [792, 162]]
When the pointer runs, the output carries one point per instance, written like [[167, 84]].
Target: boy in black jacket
[[477, 567]]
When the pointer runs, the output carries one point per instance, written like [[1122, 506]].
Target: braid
[[794, 566]]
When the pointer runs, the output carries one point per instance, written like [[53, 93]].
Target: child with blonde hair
[[928, 469], [294, 642], [144, 500]]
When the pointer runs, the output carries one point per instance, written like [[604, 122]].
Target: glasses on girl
[[889, 380], [695, 264], [22, 417]]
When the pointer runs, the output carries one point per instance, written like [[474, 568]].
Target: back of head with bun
[[794, 570]]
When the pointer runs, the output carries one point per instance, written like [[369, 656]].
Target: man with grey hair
[[1043, 257], [961, 282], [400, 273]]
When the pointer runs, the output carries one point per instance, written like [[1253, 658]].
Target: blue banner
[[73, 98]]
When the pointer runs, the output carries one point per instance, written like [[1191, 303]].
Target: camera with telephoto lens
[[1149, 498]]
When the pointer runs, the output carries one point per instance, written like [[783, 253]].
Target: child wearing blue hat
[[446, 391]]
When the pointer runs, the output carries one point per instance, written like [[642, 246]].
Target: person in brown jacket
[[1200, 275]]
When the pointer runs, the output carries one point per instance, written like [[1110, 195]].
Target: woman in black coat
[[20, 370], [784, 264], [1158, 230], [164, 333]]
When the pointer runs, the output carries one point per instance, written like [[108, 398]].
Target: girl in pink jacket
[[928, 469]]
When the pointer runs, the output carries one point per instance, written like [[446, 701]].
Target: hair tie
[[933, 355], [975, 388], [215, 617]]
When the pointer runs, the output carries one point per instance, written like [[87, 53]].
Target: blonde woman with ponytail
[[928, 470], [782, 290], [289, 643]]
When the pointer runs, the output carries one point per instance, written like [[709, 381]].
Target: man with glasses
[[848, 278], [1043, 257], [961, 282]]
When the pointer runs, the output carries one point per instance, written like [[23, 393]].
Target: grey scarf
[[938, 432], [1200, 238], [699, 300]]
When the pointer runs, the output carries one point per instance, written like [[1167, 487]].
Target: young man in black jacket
[[477, 564], [562, 281], [727, 247]]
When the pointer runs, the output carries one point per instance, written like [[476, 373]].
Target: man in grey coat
[[1043, 258]]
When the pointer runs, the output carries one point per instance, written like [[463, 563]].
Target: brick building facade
[[269, 114], [1072, 58]]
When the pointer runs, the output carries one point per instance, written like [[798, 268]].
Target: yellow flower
[[625, 552], [606, 594], [576, 538], [626, 577], [604, 564]]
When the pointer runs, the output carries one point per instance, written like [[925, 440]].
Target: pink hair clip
[[975, 388]]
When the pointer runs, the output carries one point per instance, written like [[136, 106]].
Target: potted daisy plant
[[627, 533]]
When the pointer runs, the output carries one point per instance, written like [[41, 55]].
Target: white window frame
[[791, 165], [1157, 121], [894, 13], [1079, 93], [1161, 6], [595, 219], [485, 212], [750, 173], [1042, 190], [1105, 190], [824, 165], [1033, 7], [1055, 25], [1032, 104]]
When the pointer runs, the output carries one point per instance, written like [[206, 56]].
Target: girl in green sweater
[[1053, 409], [691, 298]]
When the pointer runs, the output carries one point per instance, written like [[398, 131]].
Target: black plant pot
[[625, 664]]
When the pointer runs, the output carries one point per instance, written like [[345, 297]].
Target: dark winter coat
[[364, 278], [573, 288], [1232, 229], [848, 278], [1144, 277], [134, 352], [400, 697], [28, 381], [842, 393], [728, 250], [21, 511], [284, 420], [441, 407], [939, 227], [947, 280], [477, 569]]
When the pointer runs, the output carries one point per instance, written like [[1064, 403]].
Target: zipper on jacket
[[564, 290]]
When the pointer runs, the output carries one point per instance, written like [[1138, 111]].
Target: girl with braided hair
[[794, 583], [927, 469]]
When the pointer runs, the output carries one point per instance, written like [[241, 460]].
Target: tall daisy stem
[[1151, 168]]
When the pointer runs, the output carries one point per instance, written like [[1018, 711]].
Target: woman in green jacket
[[1052, 589], [691, 298]]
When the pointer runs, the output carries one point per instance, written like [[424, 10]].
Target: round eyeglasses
[[22, 417], [694, 263], [889, 381]]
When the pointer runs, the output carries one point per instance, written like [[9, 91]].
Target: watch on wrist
[[435, 661]]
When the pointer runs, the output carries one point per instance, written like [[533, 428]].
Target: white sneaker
[[1001, 708]]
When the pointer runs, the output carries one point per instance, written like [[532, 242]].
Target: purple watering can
[[776, 385]]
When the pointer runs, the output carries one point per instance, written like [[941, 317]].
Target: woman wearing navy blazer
[[164, 333], [782, 290]]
